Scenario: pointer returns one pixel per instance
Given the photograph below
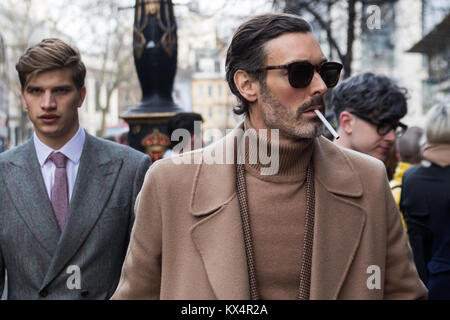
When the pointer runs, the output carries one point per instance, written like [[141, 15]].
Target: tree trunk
[[330, 44], [350, 38]]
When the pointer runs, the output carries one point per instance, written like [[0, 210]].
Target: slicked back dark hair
[[373, 95], [246, 51]]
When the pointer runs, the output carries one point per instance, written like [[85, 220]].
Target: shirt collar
[[72, 149]]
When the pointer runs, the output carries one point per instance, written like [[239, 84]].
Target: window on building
[[217, 66], [210, 90], [200, 90]]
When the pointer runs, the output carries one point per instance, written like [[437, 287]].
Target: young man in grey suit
[[66, 197]]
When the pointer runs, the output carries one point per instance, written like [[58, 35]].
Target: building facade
[[435, 46], [98, 96], [212, 98], [202, 55]]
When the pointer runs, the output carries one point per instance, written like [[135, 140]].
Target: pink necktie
[[60, 189]]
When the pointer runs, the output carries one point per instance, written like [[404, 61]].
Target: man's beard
[[291, 122]]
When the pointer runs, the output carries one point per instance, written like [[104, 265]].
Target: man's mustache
[[314, 101]]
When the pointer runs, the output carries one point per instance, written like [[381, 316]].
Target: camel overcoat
[[187, 239]]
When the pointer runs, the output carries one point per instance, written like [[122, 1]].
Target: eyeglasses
[[300, 73], [383, 127]]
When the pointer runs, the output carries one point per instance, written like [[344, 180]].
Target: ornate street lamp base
[[148, 132]]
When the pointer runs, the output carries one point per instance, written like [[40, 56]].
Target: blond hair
[[438, 124], [51, 54]]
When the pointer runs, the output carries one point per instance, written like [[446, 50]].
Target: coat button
[[84, 293], [43, 293]]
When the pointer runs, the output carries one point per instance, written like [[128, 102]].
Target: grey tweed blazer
[[85, 261]]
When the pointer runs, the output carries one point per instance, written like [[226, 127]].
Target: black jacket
[[425, 202]]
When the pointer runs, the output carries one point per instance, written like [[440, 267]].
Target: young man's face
[[365, 138], [279, 105], [52, 102]]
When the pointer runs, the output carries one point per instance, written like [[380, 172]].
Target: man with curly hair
[[368, 108]]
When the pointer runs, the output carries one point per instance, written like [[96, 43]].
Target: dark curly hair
[[246, 51], [370, 94]]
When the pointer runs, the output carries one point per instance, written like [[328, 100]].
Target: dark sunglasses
[[300, 73], [383, 128]]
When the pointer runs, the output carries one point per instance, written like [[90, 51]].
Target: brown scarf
[[305, 268]]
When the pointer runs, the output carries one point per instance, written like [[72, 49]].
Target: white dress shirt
[[72, 150]]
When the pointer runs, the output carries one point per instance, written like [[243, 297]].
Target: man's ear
[[82, 96], [346, 121], [24, 102], [246, 85]]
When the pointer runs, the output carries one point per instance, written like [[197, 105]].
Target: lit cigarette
[[327, 124]]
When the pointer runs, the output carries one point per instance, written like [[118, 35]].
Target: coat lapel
[[339, 221], [219, 240], [26, 188], [218, 236], [95, 181]]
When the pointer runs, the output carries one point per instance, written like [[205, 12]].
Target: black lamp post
[[155, 57]]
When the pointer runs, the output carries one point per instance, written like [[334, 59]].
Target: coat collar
[[218, 235], [72, 149], [214, 184]]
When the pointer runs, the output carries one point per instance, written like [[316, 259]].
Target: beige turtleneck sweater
[[277, 208]]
